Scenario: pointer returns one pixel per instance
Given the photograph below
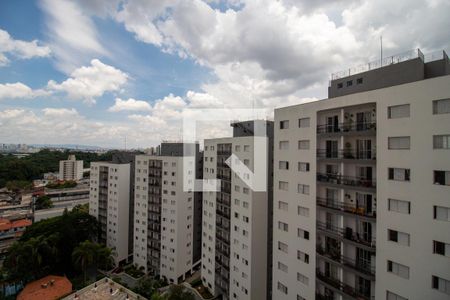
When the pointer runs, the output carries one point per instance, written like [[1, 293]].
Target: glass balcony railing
[[346, 180], [346, 207], [346, 154], [347, 127]]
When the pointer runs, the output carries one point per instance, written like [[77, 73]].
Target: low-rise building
[[48, 288]]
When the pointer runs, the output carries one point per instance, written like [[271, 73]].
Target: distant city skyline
[[95, 72]]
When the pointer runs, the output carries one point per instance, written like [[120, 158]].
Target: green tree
[[178, 292], [43, 202], [84, 255]]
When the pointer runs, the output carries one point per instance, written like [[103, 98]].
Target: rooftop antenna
[[125, 142], [381, 50]]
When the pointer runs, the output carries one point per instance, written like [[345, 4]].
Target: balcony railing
[[346, 154], [346, 180], [334, 254], [348, 234], [343, 287], [347, 127], [347, 207]]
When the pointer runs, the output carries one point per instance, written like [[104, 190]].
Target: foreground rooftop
[[104, 289]]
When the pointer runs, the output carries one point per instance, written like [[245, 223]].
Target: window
[[284, 145], [284, 124], [303, 167], [399, 174], [441, 213], [442, 177], [303, 279], [399, 237], [283, 226], [303, 234], [246, 148], [283, 185], [393, 296], [237, 148], [303, 144], [399, 143], [340, 85], [282, 288], [283, 247], [283, 205], [441, 106], [283, 165], [359, 81], [303, 122], [304, 257], [440, 284], [282, 267], [398, 269], [398, 111], [399, 206], [441, 248], [303, 189], [441, 141], [303, 211], [350, 83]]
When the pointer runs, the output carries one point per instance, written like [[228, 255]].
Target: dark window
[[438, 248], [306, 235], [359, 81], [389, 267], [350, 83], [393, 235], [440, 177], [340, 85]]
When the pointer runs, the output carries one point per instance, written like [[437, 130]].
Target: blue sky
[[96, 71]]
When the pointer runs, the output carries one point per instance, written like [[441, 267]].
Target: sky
[[99, 72]]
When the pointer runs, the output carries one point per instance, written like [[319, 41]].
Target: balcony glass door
[[363, 119], [333, 124], [331, 149], [364, 201], [363, 149], [365, 231]]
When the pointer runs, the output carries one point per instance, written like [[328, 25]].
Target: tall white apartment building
[[167, 218], [109, 202], [71, 169], [362, 185], [236, 220]]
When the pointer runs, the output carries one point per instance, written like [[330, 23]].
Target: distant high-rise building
[[167, 224], [362, 185], [71, 169], [237, 230]]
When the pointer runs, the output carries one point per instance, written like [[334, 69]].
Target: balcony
[[351, 181], [343, 287], [350, 154], [347, 128], [359, 265], [345, 207], [367, 240]]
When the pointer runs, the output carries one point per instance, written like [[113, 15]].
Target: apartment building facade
[[167, 217], [109, 202], [236, 219], [71, 169], [361, 206]]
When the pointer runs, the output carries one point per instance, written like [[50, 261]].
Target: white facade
[[71, 169], [109, 202], [235, 223], [379, 196], [164, 218]]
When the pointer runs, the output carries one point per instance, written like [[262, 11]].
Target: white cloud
[[129, 105], [89, 82], [19, 90], [60, 112], [20, 49], [72, 34]]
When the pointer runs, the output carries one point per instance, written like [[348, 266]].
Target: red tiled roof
[[35, 291], [6, 224]]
